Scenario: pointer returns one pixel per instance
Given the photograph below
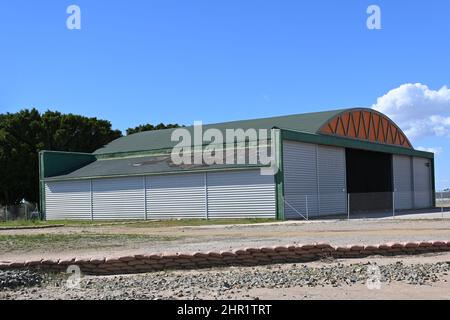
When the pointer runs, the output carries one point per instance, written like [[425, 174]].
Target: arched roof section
[[365, 124], [357, 123]]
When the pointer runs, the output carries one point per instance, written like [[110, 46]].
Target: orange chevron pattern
[[366, 125]]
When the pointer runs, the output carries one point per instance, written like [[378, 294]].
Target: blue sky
[[135, 62]]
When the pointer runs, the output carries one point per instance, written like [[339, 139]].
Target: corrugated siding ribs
[[231, 194]]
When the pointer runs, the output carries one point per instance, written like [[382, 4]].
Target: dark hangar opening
[[369, 180]]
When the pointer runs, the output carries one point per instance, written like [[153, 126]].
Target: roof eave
[[288, 134]]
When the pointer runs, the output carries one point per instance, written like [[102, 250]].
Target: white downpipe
[[348, 206], [91, 195], [144, 184], [307, 211], [393, 204], [206, 197]]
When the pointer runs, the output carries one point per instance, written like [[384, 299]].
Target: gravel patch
[[19, 278], [234, 282]]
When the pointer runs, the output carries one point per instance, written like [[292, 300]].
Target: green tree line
[[23, 134]]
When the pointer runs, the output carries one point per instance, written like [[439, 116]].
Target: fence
[[443, 199], [26, 211], [322, 206], [367, 205]]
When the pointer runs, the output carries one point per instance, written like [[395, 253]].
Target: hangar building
[[321, 158]]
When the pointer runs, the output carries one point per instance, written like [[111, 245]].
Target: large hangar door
[[369, 180], [300, 179], [331, 180], [422, 183], [403, 184]]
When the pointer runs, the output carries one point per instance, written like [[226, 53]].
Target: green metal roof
[[161, 139], [144, 165], [149, 152]]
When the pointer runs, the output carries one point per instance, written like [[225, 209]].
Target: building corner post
[[433, 184], [279, 175], [41, 185]]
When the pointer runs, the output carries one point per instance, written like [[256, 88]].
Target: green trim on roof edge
[[352, 143], [202, 170], [166, 151]]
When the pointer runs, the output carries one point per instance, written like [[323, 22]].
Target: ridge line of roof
[[245, 120], [160, 139]]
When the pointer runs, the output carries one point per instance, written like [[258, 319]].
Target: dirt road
[[90, 241]]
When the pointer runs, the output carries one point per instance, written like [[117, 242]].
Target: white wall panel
[[300, 179], [422, 182], [68, 200], [331, 172], [239, 194], [403, 182], [176, 196], [118, 198]]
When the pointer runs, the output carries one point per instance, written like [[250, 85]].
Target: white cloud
[[418, 110], [435, 150]]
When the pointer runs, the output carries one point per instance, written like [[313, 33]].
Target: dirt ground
[[391, 291], [439, 290], [111, 240], [260, 283]]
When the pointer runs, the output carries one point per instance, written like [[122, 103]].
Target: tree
[[25, 133], [69, 132], [19, 140], [150, 127]]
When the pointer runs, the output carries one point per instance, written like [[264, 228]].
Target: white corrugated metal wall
[[230, 194], [240, 194], [403, 182], [412, 182], [422, 183], [68, 200], [176, 196], [300, 180], [314, 180], [118, 198], [331, 172], [320, 172]]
